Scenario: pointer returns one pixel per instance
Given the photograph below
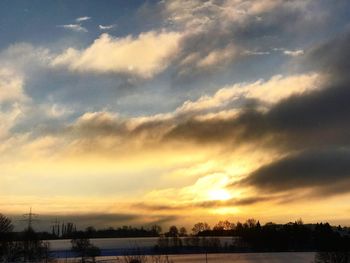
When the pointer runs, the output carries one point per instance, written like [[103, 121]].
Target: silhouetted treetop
[[5, 224]]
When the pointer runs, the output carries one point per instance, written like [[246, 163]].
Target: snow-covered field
[[121, 245], [290, 257]]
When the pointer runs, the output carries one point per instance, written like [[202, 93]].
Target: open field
[[291, 257]]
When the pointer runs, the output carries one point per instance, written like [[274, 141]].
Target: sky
[[173, 112]]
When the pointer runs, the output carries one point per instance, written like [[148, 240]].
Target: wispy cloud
[[294, 53], [74, 27], [256, 53], [82, 18], [106, 27], [289, 52]]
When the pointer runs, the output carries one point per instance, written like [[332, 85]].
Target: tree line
[[270, 237], [249, 236]]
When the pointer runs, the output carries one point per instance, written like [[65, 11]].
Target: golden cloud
[[145, 55]]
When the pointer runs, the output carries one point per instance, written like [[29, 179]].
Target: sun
[[219, 194]]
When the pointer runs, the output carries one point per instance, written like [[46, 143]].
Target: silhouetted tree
[[251, 223], [173, 232], [85, 249], [6, 228], [223, 225], [332, 257], [68, 229], [200, 227], [31, 247], [156, 230], [90, 231], [183, 232], [5, 225], [258, 225]]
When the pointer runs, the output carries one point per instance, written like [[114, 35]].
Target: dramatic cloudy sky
[[141, 112]]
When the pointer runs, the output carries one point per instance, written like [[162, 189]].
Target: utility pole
[[30, 238], [30, 218]]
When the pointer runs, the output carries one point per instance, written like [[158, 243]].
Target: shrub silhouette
[[85, 249]]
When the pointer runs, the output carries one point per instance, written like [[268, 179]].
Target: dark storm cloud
[[319, 118], [216, 130], [316, 119], [307, 169], [208, 204], [236, 201], [99, 124], [332, 57], [164, 220], [159, 207]]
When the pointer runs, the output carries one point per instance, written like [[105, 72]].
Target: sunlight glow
[[226, 211], [219, 194]]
